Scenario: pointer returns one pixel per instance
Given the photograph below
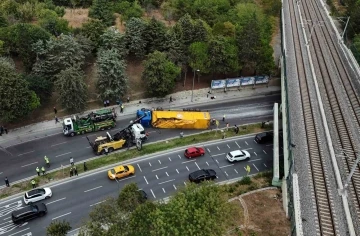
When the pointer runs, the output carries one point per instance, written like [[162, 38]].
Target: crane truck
[[94, 121], [130, 135]]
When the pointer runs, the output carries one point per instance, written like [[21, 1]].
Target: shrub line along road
[[27, 156], [159, 176]]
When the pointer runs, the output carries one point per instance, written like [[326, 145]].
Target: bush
[[253, 186], [245, 181]]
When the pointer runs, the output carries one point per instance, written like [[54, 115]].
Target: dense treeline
[[211, 36]]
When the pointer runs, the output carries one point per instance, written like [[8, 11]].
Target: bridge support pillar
[[276, 168]]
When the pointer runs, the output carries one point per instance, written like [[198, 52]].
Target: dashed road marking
[[149, 163], [152, 193], [228, 145], [169, 158], [207, 163], [97, 203], [254, 141], [159, 162], [255, 153], [146, 180], [19, 231], [246, 143], [30, 164], [167, 181], [247, 149], [157, 177], [26, 153], [163, 190], [177, 171], [254, 160], [58, 144], [226, 166], [92, 189], [160, 168], [237, 144], [218, 154], [236, 171], [167, 173], [63, 154], [226, 173], [197, 166], [264, 152], [179, 156], [184, 183], [265, 165], [61, 216], [55, 201], [174, 186], [217, 161], [208, 149], [218, 148], [255, 167], [125, 178], [186, 161], [187, 168], [139, 167]]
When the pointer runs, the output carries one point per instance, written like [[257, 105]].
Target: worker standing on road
[[38, 171], [7, 182], [43, 170], [224, 118], [71, 161], [33, 183], [121, 108], [47, 161], [56, 120], [75, 171]]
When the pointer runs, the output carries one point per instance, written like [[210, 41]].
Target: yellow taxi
[[121, 171]]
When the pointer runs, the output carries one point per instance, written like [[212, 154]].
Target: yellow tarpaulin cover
[[180, 120]]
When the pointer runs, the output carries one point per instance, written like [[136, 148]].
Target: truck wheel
[[109, 127], [111, 150], [102, 152], [83, 132], [72, 134]]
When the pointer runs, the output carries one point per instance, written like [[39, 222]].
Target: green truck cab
[[95, 121]]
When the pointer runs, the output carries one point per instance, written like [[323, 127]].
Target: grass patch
[[123, 155]]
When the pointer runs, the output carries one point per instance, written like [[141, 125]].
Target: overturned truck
[[180, 119]]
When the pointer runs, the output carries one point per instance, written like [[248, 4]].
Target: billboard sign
[[216, 84], [247, 81], [232, 82], [262, 80]]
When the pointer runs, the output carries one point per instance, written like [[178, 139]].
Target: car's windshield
[[42, 191], [112, 171], [230, 154], [34, 208], [126, 168]]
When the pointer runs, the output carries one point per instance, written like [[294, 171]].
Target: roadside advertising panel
[[216, 84], [247, 81], [262, 79], [233, 82]]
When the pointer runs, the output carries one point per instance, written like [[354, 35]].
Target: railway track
[[337, 85], [325, 215]]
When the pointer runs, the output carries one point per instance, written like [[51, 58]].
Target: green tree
[[93, 29], [199, 58], [155, 35], [72, 89], [54, 25], [226, 29], [114, 39], [14, 37], [58, 54], [159, 74], [223, 56], [101, 10], [209, 10], [58, 228], [3, 21], [355, 47], [17, 100], [135, 37], [134, 10], [130, 198], [142, 221], [112, 78], [41, 86], [26, 12]]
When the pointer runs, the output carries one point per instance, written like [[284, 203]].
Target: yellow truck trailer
[[180, 119]]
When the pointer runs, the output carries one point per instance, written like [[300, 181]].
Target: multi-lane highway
[[25, 157], [158, 175]]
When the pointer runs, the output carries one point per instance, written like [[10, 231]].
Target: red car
[[194, 152]]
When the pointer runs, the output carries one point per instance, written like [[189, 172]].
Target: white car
[[238, 155], [37, 195]]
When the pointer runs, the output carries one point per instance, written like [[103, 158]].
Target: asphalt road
[[58, 148], [159, 176]]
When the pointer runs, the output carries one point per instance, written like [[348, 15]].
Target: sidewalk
[[180, 100]]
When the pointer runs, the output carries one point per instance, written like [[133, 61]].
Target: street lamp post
[[192, 91]]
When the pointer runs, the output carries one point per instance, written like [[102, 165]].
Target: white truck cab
[[68, 126], [138, 132]]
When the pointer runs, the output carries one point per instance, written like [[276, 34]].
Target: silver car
[[37, 195], [238, 155]]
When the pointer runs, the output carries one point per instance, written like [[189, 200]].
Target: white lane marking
[[159, 162], [228, 145], [187, 168], [218, 154], [97, 203], [255, 153], [73, 230], [92, 189], [197, 166], [217, 161], [5, 223], [246, 143], [167, 173], [245, 168], [179, 156], [7, 218], [184, 183], [157, 177], [254, 141], [1, 173], [163, 190], [26, 153], [254, 160], [264, 152], [265, 165], [55, 201], [177, 171], [19, 231], [169, 158], [160, 168], [174, 186], [125, 178], [218, 148], [167, 181], [88, 147], [30, 164], [207, 163], [61, 216], [58, 144], [187, 161], [208, 149], [247, 149], [236, 171], [152, 193], [63, 154], [139, 167], [237, 144], [146, 180], [255, 167], [149, 163], [226, 173], [226, 166]]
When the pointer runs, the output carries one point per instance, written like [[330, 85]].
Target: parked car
[[121, 171], [28, 213], [266, 137], [201, 175], [238, 155], [37, 195], [194, 152]]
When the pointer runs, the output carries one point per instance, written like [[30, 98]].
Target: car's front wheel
[[47, 197]]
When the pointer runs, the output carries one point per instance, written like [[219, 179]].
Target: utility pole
[[193, 85], [346, 184]]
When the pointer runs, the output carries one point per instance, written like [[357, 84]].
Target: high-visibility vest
[[37, 169], [33, 182], [43, 169], [47, 160]]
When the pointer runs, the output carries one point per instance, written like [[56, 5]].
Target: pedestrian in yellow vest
[[33, 183], [121, 108], [43, 170], [248, 169], [38, 171], [47, 161]]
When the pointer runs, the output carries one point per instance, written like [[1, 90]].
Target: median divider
[[98, 164]]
